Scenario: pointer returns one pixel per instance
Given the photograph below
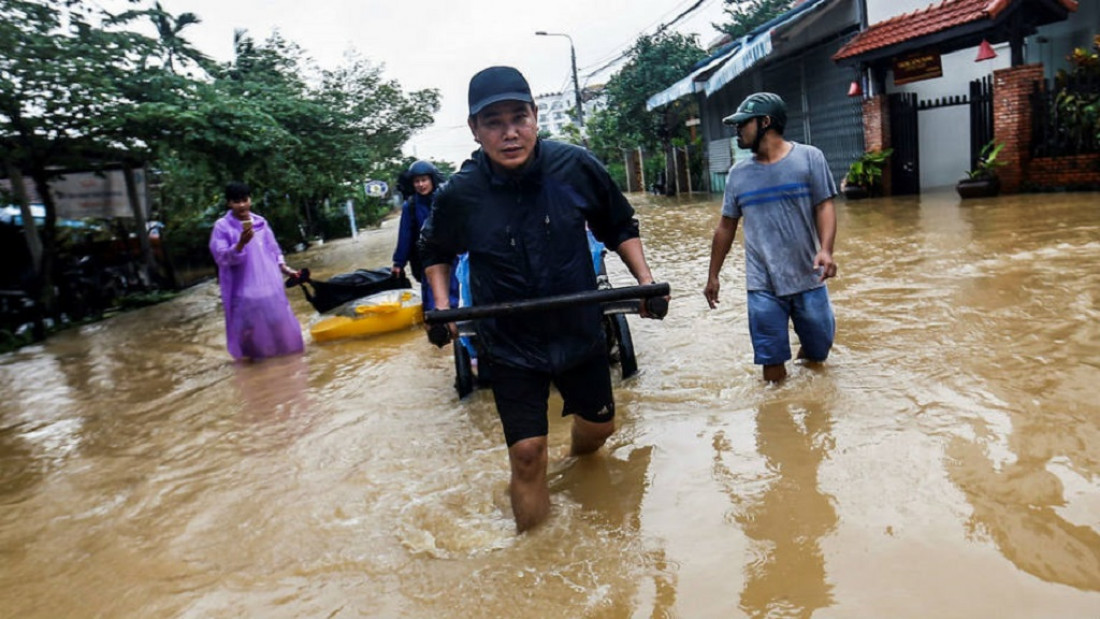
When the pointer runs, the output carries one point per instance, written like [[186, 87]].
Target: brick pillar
[[1012, 121], [876, 132], [876, 123]]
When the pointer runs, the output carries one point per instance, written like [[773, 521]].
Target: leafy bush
[[866, 171], [1077, 102], [986, 167]]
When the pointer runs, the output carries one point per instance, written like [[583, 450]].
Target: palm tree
[[169, 27]]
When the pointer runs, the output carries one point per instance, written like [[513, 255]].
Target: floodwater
[[945, 462]]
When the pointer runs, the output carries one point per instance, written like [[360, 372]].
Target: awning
[[753, 48], [799, 27], [692, 83], [757, 45]]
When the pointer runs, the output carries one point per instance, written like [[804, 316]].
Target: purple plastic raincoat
[[258, 320]]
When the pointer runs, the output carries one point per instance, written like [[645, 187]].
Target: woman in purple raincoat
[[258, 320]]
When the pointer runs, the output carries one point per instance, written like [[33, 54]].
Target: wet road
[[944, 463]]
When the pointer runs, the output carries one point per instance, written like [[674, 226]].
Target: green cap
[[759, 104]]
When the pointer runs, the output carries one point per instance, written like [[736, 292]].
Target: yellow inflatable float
[[382, 312]]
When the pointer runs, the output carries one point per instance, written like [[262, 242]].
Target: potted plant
[[982, 181], [864, 176]]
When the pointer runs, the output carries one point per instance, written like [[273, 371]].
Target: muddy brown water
[[945, 462]]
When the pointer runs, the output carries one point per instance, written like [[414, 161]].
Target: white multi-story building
[[555, 108]]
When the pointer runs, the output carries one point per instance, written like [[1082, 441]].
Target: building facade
[[556, 109], [824, 59]]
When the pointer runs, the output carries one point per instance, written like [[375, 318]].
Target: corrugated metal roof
[[726, 65]]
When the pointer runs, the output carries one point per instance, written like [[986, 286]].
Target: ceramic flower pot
[[856, 192], [978, 187]]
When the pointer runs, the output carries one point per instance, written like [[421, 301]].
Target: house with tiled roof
[[841, 64], [942, 79]]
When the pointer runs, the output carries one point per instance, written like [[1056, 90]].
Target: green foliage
[[94, 91], [81, 88], [654, 166], [866, 171], [617, 169], [142, 299], [986, 167], [571, 134], [604, 137], [745, 15], [655, 61], [169, 28], [66, 84], [1078, 105]]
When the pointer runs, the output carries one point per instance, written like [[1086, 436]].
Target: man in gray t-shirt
[[785, 194]]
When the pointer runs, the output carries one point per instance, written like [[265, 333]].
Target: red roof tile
[[929, 20]]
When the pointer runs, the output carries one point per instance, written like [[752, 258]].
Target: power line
[[622, 47], [661, 28]]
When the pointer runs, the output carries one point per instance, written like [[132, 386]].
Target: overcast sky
[[442, 43]]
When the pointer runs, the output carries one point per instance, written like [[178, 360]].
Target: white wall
[[944, 145]]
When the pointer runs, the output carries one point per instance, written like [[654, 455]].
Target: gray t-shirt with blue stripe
[[776, 202]]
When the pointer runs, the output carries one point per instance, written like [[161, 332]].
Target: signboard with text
[[916, 66], [89, 194]]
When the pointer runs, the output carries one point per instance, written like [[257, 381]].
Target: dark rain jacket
[[526, 237], [414, 212]]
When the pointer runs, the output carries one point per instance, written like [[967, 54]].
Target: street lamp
[[576, 85]]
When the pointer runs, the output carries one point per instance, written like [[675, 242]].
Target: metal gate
[[981, 116], [905, 140]]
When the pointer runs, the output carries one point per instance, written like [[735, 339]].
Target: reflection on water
[[787, 517], [944, 462], [1017, 508]]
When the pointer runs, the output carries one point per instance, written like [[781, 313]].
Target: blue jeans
[[769, 316]]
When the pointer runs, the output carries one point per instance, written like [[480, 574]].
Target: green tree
[[301, 136], [63, 82], [78, 89], [655, 62], [745, 15], [169, 30]]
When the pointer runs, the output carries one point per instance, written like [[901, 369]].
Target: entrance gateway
[[905, 133]]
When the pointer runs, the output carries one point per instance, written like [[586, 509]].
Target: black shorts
[[522, 396]]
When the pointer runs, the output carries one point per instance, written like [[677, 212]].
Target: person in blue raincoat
[[420, 182]]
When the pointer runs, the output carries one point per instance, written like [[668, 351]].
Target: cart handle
[[653, 294], [647, 291]]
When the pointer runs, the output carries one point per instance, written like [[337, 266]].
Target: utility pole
[[576, 83]]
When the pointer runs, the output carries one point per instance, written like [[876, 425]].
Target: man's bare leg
[[530, 496], [588, 436], [775, 373]]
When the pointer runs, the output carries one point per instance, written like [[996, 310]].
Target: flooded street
[[945, 462]]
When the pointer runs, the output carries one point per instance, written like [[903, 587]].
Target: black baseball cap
[[494, 84]]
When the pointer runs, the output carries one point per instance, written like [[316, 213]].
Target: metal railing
[[1064, 117]]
